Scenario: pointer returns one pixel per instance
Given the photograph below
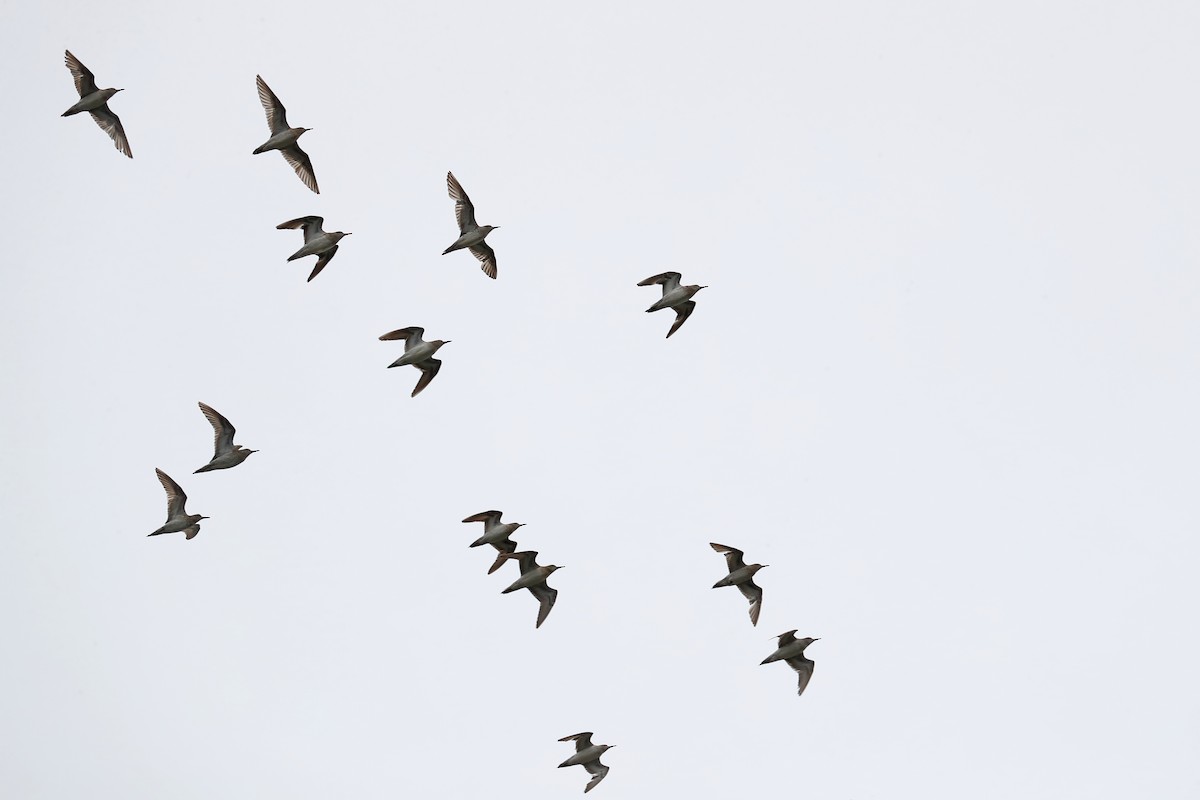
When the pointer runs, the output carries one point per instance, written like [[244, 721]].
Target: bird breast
[[282, 139], [318, 245], [93, 100], [471, 238], [498, 533]]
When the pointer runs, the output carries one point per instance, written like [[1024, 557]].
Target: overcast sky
[[943, 381]]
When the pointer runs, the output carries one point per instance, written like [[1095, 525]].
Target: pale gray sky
[[943, 382]]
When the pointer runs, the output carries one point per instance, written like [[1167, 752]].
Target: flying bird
[[791, 650], [534, 578], [316, 241], [587, 755], [284, 138], [227, 454], [418, 353], [674, 296], [95, 101], [496, 534], [741, 575], [177, 517], [472, 235]]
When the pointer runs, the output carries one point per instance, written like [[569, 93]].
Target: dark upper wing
[[682, 312], [486, 517], [85, 81], [546, 596], [670, 280], [311, 226], [752, 592], [429, 370], [110, 123], [322, 260], [223, 431], [733, 556], [276, 113], [487, 258], [582, 740], [528, 560], [464, 211], [402, 333], [302, 165], [175, 496], [804, 668]]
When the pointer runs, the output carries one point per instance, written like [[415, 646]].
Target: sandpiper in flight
[[177, 517], [95, 101], [741, 575], [496, 534], [791, 651], [472, 234], [227, 454], [674, 296], [284, 138], [316, 241], [418, 353], [587, 755], [534, 578]]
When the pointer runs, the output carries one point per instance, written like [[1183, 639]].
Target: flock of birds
[[420, 353]]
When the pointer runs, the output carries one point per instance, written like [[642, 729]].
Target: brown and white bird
[[472, 234], [177, 517], [741, 575], [587, 755], [316, 241], [534, 578], [95, 102], [791, 651], [418, 353], [226, 454], [674, 296], [284, 138], [496, 534]]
